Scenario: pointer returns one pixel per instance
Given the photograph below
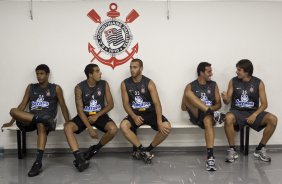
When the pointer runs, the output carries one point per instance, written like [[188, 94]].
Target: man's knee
[[124, 126], [41, 128], [229, 119], [167, 125], [68, 127], [13, 112], [112, 130], [208, 122], [272, 120]]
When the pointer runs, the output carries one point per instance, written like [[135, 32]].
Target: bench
[[21, 136]]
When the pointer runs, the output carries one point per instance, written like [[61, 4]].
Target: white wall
[[217, 32]]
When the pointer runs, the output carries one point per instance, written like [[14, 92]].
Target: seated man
[[43, 98], [141, 102], [93, 100], [248, 102], [201, 99]]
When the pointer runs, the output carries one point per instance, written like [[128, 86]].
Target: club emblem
[[113, 38]]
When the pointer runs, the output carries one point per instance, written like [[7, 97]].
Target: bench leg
[[19, 143], [242, 132], [246, 150], [24, 143]]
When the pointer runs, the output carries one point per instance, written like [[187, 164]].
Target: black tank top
[[93, 97], [205, 92], [245, 94], [43, 100], [140, 98]]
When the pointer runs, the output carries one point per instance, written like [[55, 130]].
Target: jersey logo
[[244, 101], [113, 37], [39, 104], [205, 99], [93, 107], [140, 104]]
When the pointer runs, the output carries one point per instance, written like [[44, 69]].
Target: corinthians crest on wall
[[113, 38]]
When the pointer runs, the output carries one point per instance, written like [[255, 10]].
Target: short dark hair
[[43, 67], [138, 60], [246, 65], [89, 69], [202, 67]]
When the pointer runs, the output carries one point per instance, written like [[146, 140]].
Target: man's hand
[[93, 118], [6, 125], [224, 95], [251, 119], [163, 129], [92, 133], [138, 120]]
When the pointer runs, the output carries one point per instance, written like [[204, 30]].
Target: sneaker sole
[[233, 160], [211, 169], [261, 158]]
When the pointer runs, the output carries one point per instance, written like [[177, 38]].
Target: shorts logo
[[113, 37]]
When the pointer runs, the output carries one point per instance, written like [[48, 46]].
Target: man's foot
[[262, 155], [210, 164], [218, 117], [90, 152], [232, 155], [35, 169], [146, 156], [81, 165], [136, 155]]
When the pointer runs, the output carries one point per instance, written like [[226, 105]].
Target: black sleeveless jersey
[[43, 100], [140, 98], [205, 92], [93, 97], [245, 94]]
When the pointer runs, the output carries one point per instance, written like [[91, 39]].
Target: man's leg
[[125, 127], [230, 121], [270, 122], [21, 116], [111, 130], [159, 137], [191, 100], [27, 118], [209, 137], [80, 163], [41, 143]]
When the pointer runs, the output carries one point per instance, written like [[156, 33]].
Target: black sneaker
[[146, 156], [35, 169], [136, 155], [210, 164], [90, 152], [81, 165]]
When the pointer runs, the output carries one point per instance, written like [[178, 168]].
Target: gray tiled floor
[[167, 167]]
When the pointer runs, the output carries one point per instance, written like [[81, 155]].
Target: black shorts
[[100, 124], [241, 119], [198, 120], [28, 128], [150, 118]]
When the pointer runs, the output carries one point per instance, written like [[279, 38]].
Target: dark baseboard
[[277, 147]]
